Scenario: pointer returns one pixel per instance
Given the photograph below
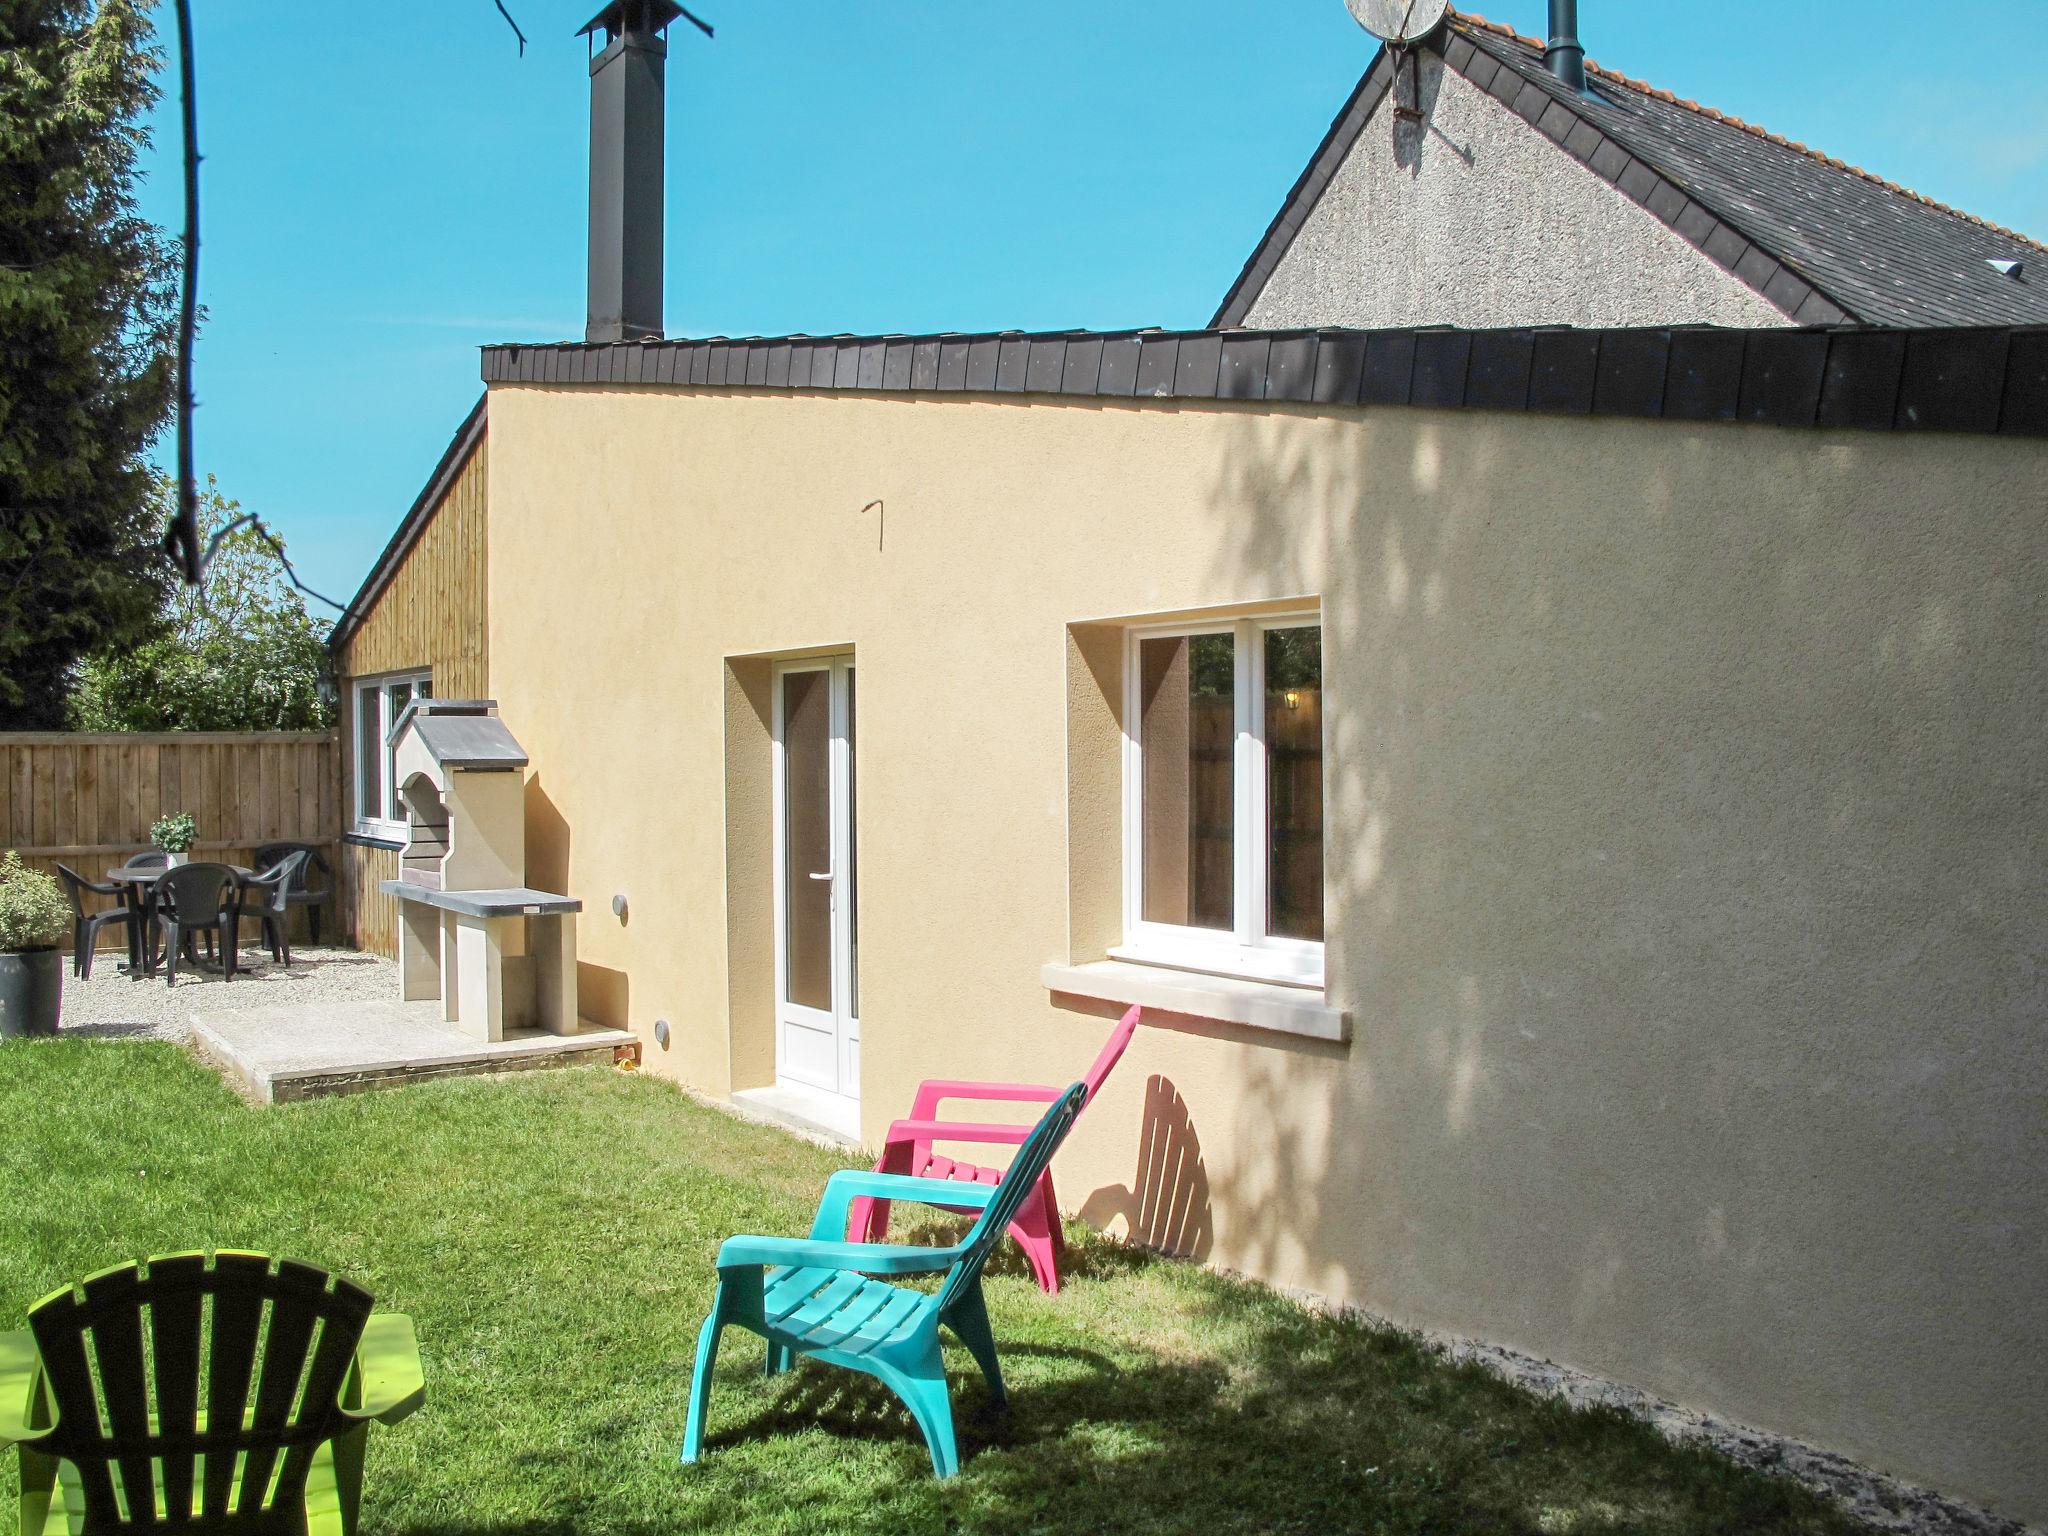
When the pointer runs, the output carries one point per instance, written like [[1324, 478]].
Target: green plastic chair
[[265, 1372], [817, 1297]]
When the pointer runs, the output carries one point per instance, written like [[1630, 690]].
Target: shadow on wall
[[1413, 124], [1166, 1205], [1684, 831], [547, 841], [603, 995]]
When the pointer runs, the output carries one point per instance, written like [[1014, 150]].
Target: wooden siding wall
[[431, 614], [87, 800]]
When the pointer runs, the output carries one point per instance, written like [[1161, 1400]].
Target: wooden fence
[[87, 799]]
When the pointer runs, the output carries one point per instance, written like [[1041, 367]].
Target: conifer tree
[[87, 323]]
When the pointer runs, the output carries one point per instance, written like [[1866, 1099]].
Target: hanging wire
[[181, 541]]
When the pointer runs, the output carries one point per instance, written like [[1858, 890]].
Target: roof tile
[[1388, 377], [1564, 371], [1630, 380], [1953, 381], [1704, 379], [1081, 368], [1861, 387], [1340, 367], [1782, 373], [1157, 356]]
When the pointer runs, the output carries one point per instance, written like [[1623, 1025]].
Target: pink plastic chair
[[908, 1150]]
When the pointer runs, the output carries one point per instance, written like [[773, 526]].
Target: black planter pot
[[31, 991]]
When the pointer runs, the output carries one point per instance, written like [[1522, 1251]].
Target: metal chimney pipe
[[1564, 57], [627, 106]]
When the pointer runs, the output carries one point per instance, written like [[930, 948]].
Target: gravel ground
[[116, 1005]]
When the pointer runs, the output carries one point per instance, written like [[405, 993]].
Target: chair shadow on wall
[[1165, 1207], [602, 994]]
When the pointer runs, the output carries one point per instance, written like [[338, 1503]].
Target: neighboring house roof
[[453, 457], [1823, 241], [1954, 380]]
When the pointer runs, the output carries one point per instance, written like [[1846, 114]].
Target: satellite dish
[[1398, 21]]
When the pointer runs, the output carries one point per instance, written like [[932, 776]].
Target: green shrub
[[33, 911], [175, 833]]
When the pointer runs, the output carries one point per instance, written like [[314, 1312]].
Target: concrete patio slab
[[274, 1054]]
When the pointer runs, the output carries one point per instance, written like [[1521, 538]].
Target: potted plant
[[33, 917], [175, 834]]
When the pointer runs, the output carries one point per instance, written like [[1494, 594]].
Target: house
[[1560, 763]]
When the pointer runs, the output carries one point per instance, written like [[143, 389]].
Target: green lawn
[[553, 1236]]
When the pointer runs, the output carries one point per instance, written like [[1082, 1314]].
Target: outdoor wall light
[[661, 1033], [619, 906], [1293, 699]]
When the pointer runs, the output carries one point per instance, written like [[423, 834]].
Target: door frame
[[842, 1018]]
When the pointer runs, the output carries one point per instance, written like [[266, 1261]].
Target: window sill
[[1261, 1005], [1225, 961], [363, 839]]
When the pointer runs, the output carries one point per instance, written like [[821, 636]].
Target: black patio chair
[[86, 926], [267, 897], [142, 899], [302, 891], [194, 899]]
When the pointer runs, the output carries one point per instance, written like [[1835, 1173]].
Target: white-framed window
[[377, 702], [1223, 797]]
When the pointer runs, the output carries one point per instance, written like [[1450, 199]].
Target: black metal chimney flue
[[1564, 57], [627, 94]]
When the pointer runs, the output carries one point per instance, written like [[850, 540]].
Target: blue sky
[[388, 186]]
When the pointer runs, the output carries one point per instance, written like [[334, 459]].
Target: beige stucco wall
[[1477, 219], [1686, 881]]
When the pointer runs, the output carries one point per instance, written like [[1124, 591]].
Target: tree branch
[[513, 25], [262, 531]]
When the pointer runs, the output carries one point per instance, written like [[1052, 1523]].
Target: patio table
[[137, 885]]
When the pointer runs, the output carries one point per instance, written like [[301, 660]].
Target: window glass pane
[[807, 837], [1294, 783], [396, 697], [1187, 730], [369, 753]]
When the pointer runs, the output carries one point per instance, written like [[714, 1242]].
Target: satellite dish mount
[[1400, 24]]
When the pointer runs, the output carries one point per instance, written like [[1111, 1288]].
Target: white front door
[[817, 1033]]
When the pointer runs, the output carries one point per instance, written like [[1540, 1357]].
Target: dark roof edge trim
[[453, 458], [1322, 166], [1968, 380]]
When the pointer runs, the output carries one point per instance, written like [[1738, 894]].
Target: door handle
[[826, 875]]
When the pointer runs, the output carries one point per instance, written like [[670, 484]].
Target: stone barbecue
[[498, 954]]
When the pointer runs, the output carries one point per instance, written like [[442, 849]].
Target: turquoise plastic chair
[[819, 1297]]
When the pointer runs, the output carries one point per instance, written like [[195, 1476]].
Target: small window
[[380, 812], [1224, 786]]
